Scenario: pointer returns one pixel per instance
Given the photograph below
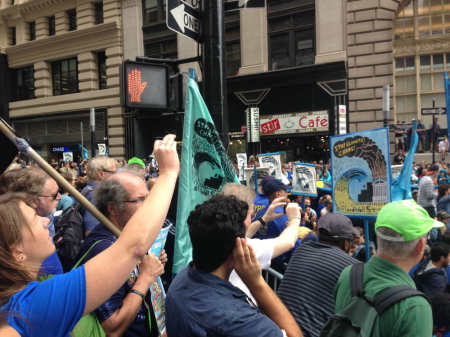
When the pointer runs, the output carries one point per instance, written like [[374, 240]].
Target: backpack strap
[[356, 279], [388, 297], [85, 254]]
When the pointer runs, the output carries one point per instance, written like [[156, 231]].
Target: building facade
[[64, 59], [293, 58]]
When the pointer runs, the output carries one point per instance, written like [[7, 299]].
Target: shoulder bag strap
[[356, 279], [388, 297], [85, 254]]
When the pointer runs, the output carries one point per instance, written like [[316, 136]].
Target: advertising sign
[[252, 125], [342, 119], [361, 172], [273, 162], [316, 121], [304, 179], [261, 172]]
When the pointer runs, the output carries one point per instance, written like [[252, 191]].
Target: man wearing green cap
[[401, 229]]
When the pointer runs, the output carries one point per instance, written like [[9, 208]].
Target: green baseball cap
[[407, 218], [136, 160]]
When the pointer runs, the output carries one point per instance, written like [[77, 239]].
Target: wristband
[[137, 292], [261, 221]]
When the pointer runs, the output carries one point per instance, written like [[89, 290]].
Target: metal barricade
[[272, 278]]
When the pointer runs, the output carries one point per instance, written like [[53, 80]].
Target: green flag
[[205, 168]]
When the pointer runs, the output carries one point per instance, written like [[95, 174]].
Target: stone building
[[64, 58]]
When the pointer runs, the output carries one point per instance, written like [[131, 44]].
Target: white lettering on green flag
[[205, 168]]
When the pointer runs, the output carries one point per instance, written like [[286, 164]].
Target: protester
[[46, 193], [98, 169], [124, 314], [273, 189], [401, 228], [430, 276], [443, 177], [422, 138], [443, 148], [261, 201], [440, 304], [312, 273], [54, 306], [427, 195], [265, 250], [201, 301]]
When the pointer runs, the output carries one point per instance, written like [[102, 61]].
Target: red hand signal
[[135, 86]]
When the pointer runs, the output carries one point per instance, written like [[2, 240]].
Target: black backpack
[[359, 317], [70, 234]]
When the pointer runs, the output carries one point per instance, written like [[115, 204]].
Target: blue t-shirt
[[260, 205], [273, 229], [51, 265], [49, 308], [139, 326], [202, 304]]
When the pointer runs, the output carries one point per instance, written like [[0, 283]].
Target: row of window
[[71, 16], [64, 78], [291, 37], [427, 63]]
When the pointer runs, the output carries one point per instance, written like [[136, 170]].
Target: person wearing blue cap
[[274, 188]]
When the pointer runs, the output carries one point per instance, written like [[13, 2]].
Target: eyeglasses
[[138, 199], [53, 196], [108, 171]]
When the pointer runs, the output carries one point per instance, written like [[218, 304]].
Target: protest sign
[[272, 161], [242, 164], [68, 156], [395, 169], [261, 172], [304, 179], [158, 295], [361, 177]]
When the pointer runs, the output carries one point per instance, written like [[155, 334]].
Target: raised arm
[[268, 216], [106, 272], [288, 237]]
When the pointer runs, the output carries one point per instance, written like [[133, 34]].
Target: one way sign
[[232, 5], [183, 17]]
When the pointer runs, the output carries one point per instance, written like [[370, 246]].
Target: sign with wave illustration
[[361, 172]]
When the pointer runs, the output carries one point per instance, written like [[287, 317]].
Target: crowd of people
[[235, 235]]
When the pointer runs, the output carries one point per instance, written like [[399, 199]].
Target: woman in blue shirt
[[53, 307]]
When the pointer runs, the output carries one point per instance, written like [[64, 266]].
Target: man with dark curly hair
[[202, 302]]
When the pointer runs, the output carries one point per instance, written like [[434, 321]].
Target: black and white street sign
[[232, 5], [183, 17], [431, 111]]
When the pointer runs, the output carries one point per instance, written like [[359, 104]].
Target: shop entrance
[[299, 148]]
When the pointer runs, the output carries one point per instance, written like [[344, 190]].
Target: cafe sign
[[304, 122]]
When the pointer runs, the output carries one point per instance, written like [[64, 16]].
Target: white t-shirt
[[263, 250]]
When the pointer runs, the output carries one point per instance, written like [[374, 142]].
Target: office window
[[233, 51], [291, 40], [51, 25], [65, 76], [72, 17], [161, 49], [32, 30], [99, 12], [12, 35], [154, 11], [101, 70], [23, 83]]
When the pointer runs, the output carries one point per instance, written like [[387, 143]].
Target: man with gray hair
[[126, 313], [401, 228], [99, 168]]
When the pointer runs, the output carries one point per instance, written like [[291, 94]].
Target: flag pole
[[26, 149]]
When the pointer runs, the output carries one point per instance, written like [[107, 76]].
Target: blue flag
[[205, 168], [447, 101], [401, 186]]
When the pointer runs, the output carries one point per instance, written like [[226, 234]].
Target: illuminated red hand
[[135, 86]]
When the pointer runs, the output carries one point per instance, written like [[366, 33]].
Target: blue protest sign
[[361, 172]]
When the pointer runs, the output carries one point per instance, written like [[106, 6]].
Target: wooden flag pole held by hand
[[26, 149]]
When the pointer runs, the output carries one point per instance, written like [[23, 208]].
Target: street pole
[[433, 131], [92, 122], [214, 66], [386, 104], [82, 139]]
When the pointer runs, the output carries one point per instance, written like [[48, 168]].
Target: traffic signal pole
[[214, 65]]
